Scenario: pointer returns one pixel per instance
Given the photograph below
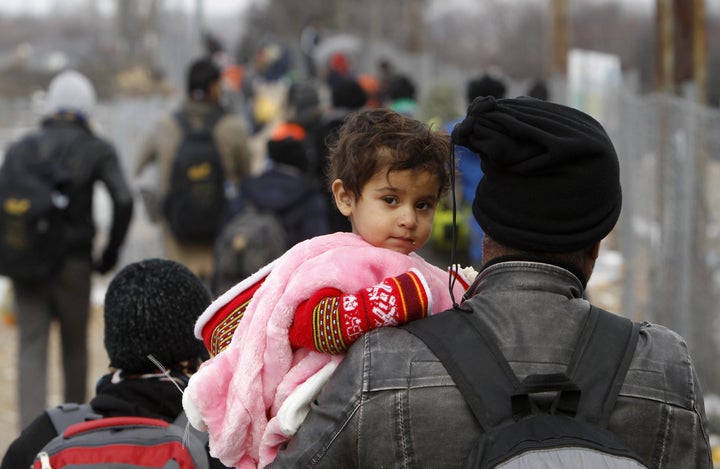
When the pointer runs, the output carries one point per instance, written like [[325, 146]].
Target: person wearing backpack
[[274, 211], [202, 154], [285, 188], [550, 193], [150, 308], [53, 278]]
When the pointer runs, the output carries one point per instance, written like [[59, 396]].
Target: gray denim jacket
[[391, 403]]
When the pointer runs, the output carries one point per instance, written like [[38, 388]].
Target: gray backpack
[[250, 240], [547, 420]]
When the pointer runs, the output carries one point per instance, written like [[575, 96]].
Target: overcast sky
[[39, 7], [15, 7]]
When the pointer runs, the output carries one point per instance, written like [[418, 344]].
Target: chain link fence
[[668, 235]]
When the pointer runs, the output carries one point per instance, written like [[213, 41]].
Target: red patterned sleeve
[[330, 320]]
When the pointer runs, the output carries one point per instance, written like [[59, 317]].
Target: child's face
[[394, 211]]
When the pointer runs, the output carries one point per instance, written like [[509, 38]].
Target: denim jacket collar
[[523, 275]]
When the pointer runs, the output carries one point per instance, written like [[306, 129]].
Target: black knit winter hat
[[551, 181], [485, 85], [150, 308]]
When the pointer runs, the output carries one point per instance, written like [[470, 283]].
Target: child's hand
[[330, 321], [468, 272]]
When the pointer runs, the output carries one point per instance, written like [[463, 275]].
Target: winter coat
[[325, 131], [391, 403], [290, 194], [88, 159]]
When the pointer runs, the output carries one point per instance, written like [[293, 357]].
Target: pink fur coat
[[253, 395]]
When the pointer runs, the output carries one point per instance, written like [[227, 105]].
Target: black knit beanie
[[150, 308], [347, 93], [286, 146], [551, 175]]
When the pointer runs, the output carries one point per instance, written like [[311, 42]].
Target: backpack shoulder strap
[[182, 422], [461, 345], [21, 156], [210, 121], [605, 348], [183, 122], [68, 414], [601, 361]]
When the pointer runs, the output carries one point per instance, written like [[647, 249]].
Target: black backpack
[[519, 428], [195, 204], [33, 199], [86, 439]]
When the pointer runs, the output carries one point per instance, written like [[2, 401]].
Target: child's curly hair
[[371, 139]]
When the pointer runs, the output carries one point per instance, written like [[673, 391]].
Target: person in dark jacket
[[66, 134], [347, 96], [150, 309], [285, 188]]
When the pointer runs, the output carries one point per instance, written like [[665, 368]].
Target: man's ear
[[591, 255], [343, 199]]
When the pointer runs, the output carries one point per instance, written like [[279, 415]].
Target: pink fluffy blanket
[[252, 396]]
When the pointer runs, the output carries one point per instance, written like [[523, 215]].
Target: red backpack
[[133, 442]]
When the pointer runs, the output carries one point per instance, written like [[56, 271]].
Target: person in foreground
[[388, 172], [150, 308], [550, 194]]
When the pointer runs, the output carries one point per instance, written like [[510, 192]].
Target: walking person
[[286, 188], [225, 150], [274, 211], [347, 97], [310, 38], [65, 140]]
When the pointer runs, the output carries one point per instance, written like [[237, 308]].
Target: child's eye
[[424, 206], [389, 200]]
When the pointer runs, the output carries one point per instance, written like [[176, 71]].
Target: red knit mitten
[[330, 321]]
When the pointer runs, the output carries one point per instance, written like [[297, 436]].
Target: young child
[[388, 173]]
